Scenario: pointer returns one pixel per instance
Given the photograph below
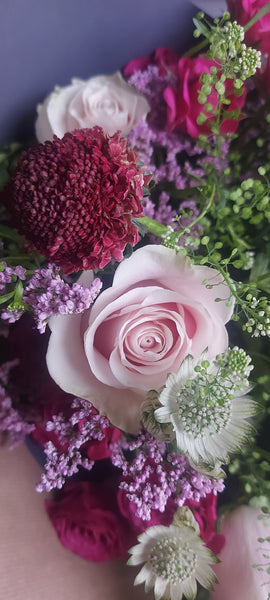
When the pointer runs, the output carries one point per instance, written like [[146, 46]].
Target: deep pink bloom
[[205, 513], [74, 198], [182, 100], [164, 58], [259, 34], [88, 522], [129, 510], [98, 449]]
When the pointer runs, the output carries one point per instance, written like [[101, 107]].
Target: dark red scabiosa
[[74, 198]]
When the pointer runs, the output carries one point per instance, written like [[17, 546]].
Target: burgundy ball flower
[[74, 198]]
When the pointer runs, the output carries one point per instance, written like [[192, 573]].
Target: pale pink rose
[[157, 311], [238, 579], [106, 100]]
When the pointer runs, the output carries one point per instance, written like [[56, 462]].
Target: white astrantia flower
[[207, 407], [174, 558]]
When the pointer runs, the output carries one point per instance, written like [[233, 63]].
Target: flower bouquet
[[135, 313]]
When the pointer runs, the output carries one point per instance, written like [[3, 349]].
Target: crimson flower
[[74, 198]]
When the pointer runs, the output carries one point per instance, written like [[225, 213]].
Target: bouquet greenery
[[136, 265]]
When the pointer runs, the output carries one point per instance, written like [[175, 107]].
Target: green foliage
[[8, 158]]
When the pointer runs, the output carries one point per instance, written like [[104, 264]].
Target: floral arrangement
[[135, 312]]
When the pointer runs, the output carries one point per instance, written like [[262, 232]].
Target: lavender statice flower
[[48, 295], [12, 421], [152, 477], [59, 466], [169, 156], [84, 425], [7, 273], [11, 317], [152, 85], [164, 212]]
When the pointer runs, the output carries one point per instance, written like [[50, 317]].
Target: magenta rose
[[205, 513], [164, 58], [183, 107], [99, 449], [259, 34], [157, 311], [88, 522], [129, 510]]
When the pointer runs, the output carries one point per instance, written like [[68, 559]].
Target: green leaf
[[141, 227], [201, 27], [260, 267], [4, 177], [18, 292], [10, 233], [6, 297], [153, 226], [263, 282]]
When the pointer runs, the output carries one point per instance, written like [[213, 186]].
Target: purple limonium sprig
[[169, 156], [60, 465], [74, 432], [12, 421], [48, 294], [152, 84], [152, 477], [6, 274]]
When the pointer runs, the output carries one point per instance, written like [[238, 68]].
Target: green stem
[[196, 49], [203, 213], [22, 257], [261, 13]]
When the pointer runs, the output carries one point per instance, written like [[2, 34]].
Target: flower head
[[74, 198], [175, 557], [207, 408], [106, 100]]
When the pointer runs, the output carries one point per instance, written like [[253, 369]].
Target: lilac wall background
[[47, 43]]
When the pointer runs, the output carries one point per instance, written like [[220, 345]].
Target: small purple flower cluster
[[60, 465], [83, 426], [47, 294], [7, 274], [152, 85], [167, 155], [151, 478], [12, 422]]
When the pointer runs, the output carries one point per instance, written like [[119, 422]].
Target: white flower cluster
[[207, 406], [174, 558]]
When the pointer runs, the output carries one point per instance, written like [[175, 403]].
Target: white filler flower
[[207, 408], [174, 558]]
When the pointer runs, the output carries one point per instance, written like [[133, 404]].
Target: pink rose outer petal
[[238, 579], [101, 356]]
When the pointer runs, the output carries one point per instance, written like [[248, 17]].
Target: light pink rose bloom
[[106, 100], [156, 313], [238, 580]]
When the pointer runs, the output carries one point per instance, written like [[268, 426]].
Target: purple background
[[48, 43]]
